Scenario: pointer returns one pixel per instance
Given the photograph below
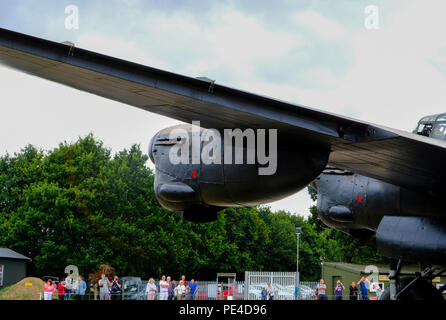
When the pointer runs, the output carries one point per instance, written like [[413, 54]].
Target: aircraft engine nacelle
[[190, 179], [352, 202], [412, 238]]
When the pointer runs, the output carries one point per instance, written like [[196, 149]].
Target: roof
[[359, 268], [10, 254]]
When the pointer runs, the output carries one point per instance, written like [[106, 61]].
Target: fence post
[[245, 294]]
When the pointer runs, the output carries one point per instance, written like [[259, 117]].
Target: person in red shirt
[[183, 277], [48, 290], [61, 290]]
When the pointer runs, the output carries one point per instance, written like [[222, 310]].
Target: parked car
[[55, 280], [133, 288], [281, 292]]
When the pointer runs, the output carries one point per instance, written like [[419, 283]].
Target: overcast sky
[[317, 53]]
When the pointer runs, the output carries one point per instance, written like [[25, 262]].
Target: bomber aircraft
[[369, 178]]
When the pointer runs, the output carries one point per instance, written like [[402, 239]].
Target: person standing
[[170, 289], [181, 290], [183, 277], [270, 291], [116, 289], [174, 286], [321, 290], [264, 293], [151, 289], [48, 290], [80, 287], [192, 289], [353, 291], [61, 290], [338, 290], [68, 286], [363, 288], [104, 290], [164, 288], [379, 293]]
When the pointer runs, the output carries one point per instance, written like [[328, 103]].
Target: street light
[[298, 232]]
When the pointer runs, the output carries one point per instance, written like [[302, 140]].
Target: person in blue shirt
[[363, 288], [379, 293], [264, 293], [192, 289], [338, 290], [81, 287], [116, 289]]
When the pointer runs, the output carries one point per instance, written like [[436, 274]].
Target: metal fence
[[211, 290], [134, 288], [282, 283], [307, 290]]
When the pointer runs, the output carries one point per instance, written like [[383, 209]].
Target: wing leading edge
[[387, 154]]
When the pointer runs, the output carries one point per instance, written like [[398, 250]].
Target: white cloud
[[326, 29]]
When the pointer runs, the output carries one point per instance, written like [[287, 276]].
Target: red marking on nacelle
[[194, 173], [359, 199]]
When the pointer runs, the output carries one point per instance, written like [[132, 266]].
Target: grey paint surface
[[216, 186], [410, 224]]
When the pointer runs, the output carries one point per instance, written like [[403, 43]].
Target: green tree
[[80, 204]]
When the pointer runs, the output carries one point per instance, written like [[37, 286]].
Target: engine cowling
[[413, 238], [349, 202], [197, 190]]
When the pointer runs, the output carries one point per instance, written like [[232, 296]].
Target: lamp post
[[298, 232]]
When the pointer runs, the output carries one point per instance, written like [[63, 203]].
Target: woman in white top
[[180, 290], [151, 289], [68, 287]]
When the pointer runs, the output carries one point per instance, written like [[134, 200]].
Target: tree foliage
[[80, 205]]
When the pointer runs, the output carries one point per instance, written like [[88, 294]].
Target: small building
[[12, 267], [377, 274]]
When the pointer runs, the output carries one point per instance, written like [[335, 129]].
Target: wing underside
[[390, 155]]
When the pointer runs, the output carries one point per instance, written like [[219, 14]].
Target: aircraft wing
[[394, 156]]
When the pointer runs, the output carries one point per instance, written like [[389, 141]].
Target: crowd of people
[[111, 289], [321, 290], [65, 288], [171, 290], [168, 289], [108, 289]]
